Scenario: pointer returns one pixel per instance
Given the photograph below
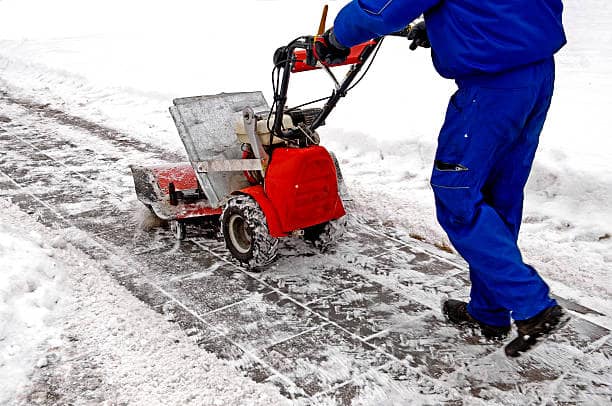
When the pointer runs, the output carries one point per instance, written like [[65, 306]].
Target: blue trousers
[[485, 152]]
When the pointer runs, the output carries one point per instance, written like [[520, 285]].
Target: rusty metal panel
[[206, 125], [149, 192]]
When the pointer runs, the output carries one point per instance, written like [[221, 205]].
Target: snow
[[31, 291], [120, 64], [58, 309]]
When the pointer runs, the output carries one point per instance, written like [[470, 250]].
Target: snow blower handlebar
[[299, 56], [306, 59]]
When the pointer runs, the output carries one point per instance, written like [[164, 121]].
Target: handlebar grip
[[302, 58]]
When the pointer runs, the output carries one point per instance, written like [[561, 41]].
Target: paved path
[[358, 324]]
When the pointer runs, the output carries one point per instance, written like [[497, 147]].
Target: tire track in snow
[[100, 131]]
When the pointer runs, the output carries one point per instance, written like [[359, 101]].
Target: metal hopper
[[207, 127]]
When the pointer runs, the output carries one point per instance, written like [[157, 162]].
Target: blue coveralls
[[500, 53]]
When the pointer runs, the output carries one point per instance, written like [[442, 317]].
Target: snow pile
[[30, 292]]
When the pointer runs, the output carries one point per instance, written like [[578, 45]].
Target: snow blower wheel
[[322, 236], [246, 234], [178, 229]]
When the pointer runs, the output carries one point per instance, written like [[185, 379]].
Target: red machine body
[[182, 176], [301, 190]]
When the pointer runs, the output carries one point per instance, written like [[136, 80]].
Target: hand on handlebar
[[328, 50], [418, 35]]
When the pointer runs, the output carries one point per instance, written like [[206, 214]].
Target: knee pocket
[[454, 193]]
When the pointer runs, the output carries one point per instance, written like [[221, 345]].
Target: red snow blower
[[259, 169]]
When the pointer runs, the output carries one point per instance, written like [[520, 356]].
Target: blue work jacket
[[468, 37]]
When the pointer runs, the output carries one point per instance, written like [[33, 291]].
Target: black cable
[[276, 82], [308, 103], [273, 101], [350, 88], [275, 86], [368, 67]]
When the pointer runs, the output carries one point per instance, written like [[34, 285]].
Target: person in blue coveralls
[[500, 54]]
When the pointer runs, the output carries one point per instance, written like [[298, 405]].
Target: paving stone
[[368, 309], [309, 279], [207, 289], [378, 244], [197, 331], [581, 333], [322, 359], [91, 248], [407, 258], [395, 383], [575, 307], [6, 186], [263, 321], [223, 348], [432, 345]]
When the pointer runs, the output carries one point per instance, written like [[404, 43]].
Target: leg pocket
[[481, 124], [455, 194]]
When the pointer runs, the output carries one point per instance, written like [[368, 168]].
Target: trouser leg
[[483, 306], [480, 129], [504, 188]]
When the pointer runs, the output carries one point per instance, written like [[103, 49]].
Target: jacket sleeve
[[362, 20]]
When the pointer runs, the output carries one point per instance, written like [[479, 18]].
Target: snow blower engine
[[259, 169]]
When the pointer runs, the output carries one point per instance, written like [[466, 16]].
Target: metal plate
[[206, 125], [151, 184]]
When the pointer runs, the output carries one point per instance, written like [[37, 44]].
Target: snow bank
[[31, 289]]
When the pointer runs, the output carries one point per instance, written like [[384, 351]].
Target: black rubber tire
[[324, 235], [246, 233]]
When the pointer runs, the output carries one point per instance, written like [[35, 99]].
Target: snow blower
[[257, 168]]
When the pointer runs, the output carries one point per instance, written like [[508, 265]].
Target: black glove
[[328, 50], [418, 35]]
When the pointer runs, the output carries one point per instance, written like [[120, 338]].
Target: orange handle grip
[[354, 57]]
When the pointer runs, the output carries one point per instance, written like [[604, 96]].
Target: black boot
[[456, 312], [532, 330]]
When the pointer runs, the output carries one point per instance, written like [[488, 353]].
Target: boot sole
[[520, 345]]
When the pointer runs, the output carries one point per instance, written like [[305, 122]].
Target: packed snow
[[121, 63], [31, 289]]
